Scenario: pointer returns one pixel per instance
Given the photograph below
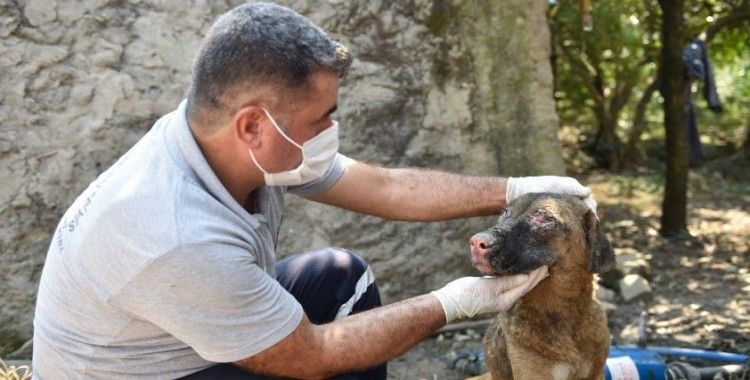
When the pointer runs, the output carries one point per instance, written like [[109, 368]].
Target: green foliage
[[622, 48], [623, 51], [729, 127]]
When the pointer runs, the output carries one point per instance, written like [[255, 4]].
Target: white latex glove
[[470, 296], [517, 186]]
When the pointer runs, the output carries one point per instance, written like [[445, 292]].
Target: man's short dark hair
[[261, 44]]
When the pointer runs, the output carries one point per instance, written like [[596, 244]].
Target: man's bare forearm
[[426, 195], [414, 194], [356, 342], [370, 338]]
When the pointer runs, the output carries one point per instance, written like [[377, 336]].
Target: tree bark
[[672, 72], [509, 57], [606, 145]]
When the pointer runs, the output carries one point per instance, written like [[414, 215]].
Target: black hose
[[684, 371]]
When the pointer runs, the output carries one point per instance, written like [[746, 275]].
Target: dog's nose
[[481, 242]]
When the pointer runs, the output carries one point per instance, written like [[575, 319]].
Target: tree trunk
[[509, 47], [607, 144], [630, 151], [672, 72]]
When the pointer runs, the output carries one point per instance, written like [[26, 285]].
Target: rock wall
[[463, 86]]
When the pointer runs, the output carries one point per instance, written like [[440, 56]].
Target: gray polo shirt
[[155, 271]]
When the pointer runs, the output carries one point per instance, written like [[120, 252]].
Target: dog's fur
[[558, 330]]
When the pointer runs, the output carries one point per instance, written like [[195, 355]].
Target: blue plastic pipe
[[724, 357]]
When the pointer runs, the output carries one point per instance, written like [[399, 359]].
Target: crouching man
[[164, 267]]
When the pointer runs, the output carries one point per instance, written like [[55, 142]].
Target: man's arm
[[353, 343], [427, 195], [371, 337], [414, 194]]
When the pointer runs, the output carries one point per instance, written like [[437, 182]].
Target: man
[[164, 267]]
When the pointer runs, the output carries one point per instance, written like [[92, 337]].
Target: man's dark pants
[[326, 282]]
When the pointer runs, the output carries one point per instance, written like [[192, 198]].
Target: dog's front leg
[[495, 352]]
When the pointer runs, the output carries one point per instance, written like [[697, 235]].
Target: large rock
[[633, 287], [463, 86]]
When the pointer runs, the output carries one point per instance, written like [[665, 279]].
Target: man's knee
[[343, 262], [331, 263], [329, 283], [359, 291]]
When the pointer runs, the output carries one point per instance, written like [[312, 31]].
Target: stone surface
[[605, 295], [609, 308], [634, 287], [629, 334], [631, 261], [463, 86]]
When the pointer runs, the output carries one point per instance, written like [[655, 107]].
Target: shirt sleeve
[[214, 298], [325, 182]]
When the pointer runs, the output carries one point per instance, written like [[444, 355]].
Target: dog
[[558, 330]]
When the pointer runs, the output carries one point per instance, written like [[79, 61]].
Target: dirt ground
[[701, 285]]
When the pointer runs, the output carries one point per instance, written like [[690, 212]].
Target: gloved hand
[[470, 296], [517, 186]]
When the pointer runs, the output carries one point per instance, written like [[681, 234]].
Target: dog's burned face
[[537, 229]]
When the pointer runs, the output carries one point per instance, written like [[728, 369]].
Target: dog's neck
[[561, 290]]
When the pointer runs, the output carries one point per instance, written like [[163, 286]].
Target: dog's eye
[[541, 219]]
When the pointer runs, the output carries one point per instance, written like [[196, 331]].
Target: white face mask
[[318, 154]]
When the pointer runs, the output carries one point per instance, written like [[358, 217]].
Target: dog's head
[[545, 229]]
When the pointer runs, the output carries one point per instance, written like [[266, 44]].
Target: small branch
[[639, 120], [582, 71], [621, 97], [733, 19]]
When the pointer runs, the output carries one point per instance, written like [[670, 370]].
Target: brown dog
[[558, 330]]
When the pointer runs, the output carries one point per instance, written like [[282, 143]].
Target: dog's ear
[[601, 256]]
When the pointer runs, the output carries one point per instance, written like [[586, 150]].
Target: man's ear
[[245, 124], [601, 256]]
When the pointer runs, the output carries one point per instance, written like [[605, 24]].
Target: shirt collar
[[181, 138]]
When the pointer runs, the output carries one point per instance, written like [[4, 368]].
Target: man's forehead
[[324, 86], [321, 95]]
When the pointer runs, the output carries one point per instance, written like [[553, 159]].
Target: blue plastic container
[[634, 363]]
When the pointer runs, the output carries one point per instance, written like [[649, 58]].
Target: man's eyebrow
[[330, 111]]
